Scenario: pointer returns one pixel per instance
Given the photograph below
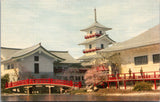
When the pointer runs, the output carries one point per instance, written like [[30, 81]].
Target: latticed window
[[36, 58], [141, 60], [102, 46], [8, 66], [36, 68], [90, 46], [100, 32], [156, 58]]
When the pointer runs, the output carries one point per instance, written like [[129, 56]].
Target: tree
[[70, 72], [93, 77], [4, 80]]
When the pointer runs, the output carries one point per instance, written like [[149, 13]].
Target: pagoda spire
[[95, 16]]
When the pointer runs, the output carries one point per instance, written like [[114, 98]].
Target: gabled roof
[[104, 36], [24, 52], [149, 37], [65, 55], [98, 25], [11, 53]]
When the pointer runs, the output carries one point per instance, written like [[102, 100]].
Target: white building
[[142, 51], [34, 62], [96, 39]]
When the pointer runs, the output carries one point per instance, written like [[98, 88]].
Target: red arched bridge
[[55, 82]]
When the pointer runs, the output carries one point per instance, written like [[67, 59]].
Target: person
[[130, 72], [141, 71]]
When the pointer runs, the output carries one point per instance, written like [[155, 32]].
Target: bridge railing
[[135, 75], [43, 81]]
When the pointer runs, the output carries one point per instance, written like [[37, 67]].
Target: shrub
[[5, 79], [142, 86]]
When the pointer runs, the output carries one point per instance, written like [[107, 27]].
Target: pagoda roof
[[104, 36], [149, 37], [96, 25], [85, 57]]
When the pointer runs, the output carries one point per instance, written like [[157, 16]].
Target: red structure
[[92, 35], [135, 76], [91, 50], [132, 76], [43, 82]]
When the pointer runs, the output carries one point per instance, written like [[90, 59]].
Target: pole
[[49, 88], [95, 15], [116, 85], [125, 85], [108, 84], [155, 84]]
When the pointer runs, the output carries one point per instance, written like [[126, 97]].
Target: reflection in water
[[78, 98]]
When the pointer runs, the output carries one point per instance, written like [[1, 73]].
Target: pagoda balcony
[[92, 35], [91, 50]]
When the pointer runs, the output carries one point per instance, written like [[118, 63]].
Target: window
[[156, 58], [100, 32], [82, 77], [141, 60], [90, 32], [8, 66], [36, 58], [36, 68], [90, 46], [102, 46], [12, 65]]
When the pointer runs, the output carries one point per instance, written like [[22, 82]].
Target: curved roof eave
[[83, 43], [17, 57], [35, 50]]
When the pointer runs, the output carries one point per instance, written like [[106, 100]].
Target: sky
[[57, 23]]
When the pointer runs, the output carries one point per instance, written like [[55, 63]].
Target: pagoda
[[95, 39]]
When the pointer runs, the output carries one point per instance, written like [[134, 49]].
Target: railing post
[[155, 84], [143, 74], [154, 74], [124, 76], [11, 84], [50, 80], [71, 83], [116, 85], [133, 75], [108, 84], [80, 84], [125, 85], [6, 85], [27, 81]]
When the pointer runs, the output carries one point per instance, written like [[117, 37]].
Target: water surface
[[78, 98]]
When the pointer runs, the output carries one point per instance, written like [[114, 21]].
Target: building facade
[[35, 62], [139, 53]]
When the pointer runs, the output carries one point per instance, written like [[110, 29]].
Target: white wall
[[127, 57], [45, 64]]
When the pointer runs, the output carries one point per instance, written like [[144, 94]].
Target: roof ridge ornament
[[40, 43], [95, 16]]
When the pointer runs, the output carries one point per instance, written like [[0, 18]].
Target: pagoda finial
[[95, 15]]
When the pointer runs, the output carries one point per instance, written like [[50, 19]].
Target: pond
[[57, 97]]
